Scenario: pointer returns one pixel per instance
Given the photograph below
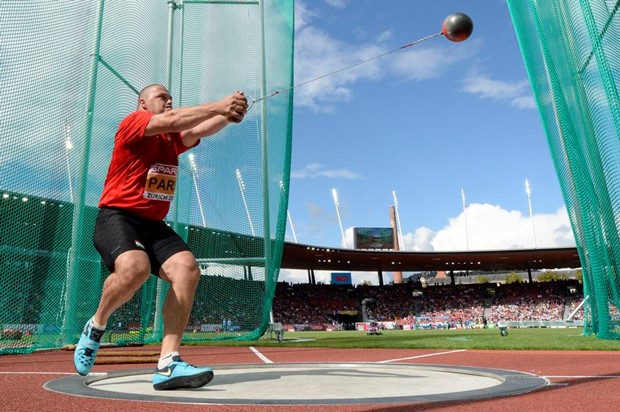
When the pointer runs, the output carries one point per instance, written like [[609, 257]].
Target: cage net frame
[[71, 71], [571, 51]]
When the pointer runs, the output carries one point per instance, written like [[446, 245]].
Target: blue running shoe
[[86, 349], [181, 374]]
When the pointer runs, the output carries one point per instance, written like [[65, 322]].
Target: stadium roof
[[298, 256]]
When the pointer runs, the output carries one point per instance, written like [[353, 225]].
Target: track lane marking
[[423, 356], [38, 373], [581, 376], [260, 355]]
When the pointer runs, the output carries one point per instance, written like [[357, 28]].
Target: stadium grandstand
[[414, 305]]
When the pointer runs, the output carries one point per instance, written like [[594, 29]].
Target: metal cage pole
[[264, 153], [158, 326], [73, 257]]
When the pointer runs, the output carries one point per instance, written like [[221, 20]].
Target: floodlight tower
[[192, 164], [401, 242], [290, 221], [68, 147], [245, 203], [529, 202], [335, 196], [465, 215], [288, 214]]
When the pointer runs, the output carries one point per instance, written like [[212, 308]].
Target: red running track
[[579, 380]]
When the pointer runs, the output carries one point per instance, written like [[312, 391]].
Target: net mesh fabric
[[571, 51], [70, 73]]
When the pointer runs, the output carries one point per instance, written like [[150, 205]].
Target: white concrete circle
[[334, 381], [311, 383]]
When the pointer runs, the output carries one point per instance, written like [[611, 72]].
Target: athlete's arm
[[207, 128], [232, 107]]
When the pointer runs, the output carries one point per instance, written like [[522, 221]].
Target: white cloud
[[419, 240], [314, 170], [489, 227], [326, 67], [385, 36], [517, 94], [524, 102], [337, 3], [302, 15], [423, 63], [420, 64]]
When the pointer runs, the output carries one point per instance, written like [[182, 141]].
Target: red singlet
[[143, 171]]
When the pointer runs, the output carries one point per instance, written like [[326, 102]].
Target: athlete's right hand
[[235, 107]]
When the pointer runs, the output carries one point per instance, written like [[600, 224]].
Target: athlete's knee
[[133, 265], [181, 266]]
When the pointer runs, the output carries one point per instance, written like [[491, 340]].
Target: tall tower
[[398, 276]]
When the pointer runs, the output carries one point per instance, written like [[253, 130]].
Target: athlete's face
[[157, 100]]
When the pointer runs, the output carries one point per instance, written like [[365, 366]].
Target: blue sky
[[428, 122]]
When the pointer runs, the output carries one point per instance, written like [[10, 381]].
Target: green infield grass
[[488, 339]]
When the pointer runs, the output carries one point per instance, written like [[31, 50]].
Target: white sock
[[166, 359], [96, 325]]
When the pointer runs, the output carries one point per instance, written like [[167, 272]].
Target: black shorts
[[117, 231]]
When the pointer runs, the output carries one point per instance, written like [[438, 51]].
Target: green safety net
[[69, 72], [571, 50]]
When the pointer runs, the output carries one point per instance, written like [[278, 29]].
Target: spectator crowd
[[409, 305]]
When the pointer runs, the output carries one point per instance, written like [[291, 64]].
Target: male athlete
[[130, 233]]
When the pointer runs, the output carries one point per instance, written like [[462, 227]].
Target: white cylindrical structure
[[335, 196], [465, 216], [401, 242], [528, 191], [245, 203]]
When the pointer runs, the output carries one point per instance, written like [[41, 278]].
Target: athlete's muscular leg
[[181, 270], [131, 270]]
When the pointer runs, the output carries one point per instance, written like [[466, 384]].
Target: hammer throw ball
[[457, 27]]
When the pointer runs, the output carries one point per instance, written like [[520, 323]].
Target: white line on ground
[[583, 376], [423, 356], [38, 373], [260, 355]]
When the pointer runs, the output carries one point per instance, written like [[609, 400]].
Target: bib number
[[161, 182]]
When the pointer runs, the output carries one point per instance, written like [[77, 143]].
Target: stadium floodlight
[[68, 147], [465, 216], [192, 163], [288, 214], [245, 203], [335, 196], [528, 191], [401, 243], [290, 221]]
